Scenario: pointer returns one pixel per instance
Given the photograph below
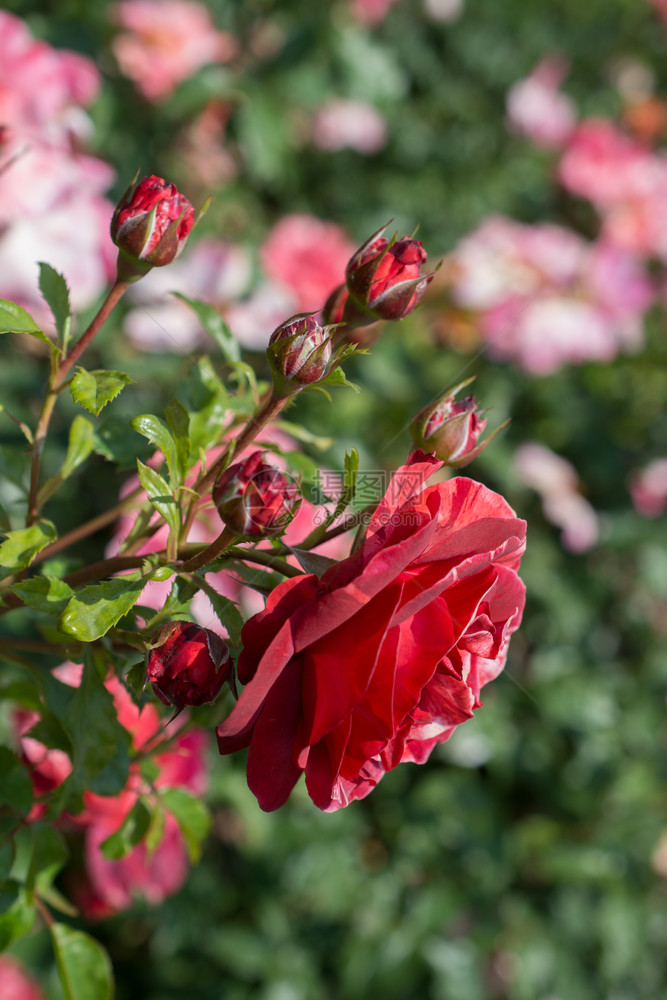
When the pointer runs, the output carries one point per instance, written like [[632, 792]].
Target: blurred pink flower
[[253, 320], [340, 124], [51, 196], [308, 256], [545, 297], [215, 272], [660, 7], [624, 180], [42, 90], [556, 481], [165, 42], [537, 109], [648, 488], [372, 11], [15, 983]]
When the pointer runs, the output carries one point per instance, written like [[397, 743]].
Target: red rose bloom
[[382, 658]]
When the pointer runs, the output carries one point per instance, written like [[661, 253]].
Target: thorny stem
[[56, 381], [114, 295], [225, 539]]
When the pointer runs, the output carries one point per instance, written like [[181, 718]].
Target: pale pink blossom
[[536, 107], [253, 320], [340, 124], [308, 256], [625, 181], [545, 297], [557, 483], [15, 983], [648, 488], [372, 11], [443, 11], [52, 204], [42, 90], [165, 42], [211, 271]]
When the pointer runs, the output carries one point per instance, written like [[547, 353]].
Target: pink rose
[[165, 42], [537, 109], [382, 658], [648, 488], [15, 983], [308, 256]]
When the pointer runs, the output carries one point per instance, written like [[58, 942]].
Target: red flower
[[383, 657], [150, 225], [188, 664]]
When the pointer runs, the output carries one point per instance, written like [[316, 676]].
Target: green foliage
[[93, 390], [53, 287], [14, 319], [21, 546], [93, 610], [83, 965]]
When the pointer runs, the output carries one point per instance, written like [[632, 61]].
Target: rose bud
[[187, 664], [449, 429], [255, 499], [385, 276], [150, 226], [299, 353]]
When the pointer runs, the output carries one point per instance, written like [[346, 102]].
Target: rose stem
[[56, 380]]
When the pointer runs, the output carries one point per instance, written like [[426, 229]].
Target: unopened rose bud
[[150, 226], [187, 664], [385, 276], [299, 353], [255, 499], [450, 429]]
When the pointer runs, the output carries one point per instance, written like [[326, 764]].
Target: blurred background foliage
[[517, 864]]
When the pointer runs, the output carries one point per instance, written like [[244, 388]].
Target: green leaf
[[44, 593], [311, 562], [20, 547], [225, 609], [93, 390], [15, 783], [160, 495], [14, 466], [155, 831], [158, 433], [7, 852], [207, 401], [54, 288], [95, 609], [100, 745], [178, 421], [191, 815], [24, 693], [115, 441], [215, 326], [14, 319], [303, 434], [83, 965], [131, 832], [49, 854], [135, 678], [17, 914]]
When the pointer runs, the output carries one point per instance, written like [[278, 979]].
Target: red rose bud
[[299, 353], [255, 499], [187, 664], [150, 226], [449, 429], [385, 276]]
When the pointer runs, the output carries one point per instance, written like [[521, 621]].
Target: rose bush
[[382, 658]]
